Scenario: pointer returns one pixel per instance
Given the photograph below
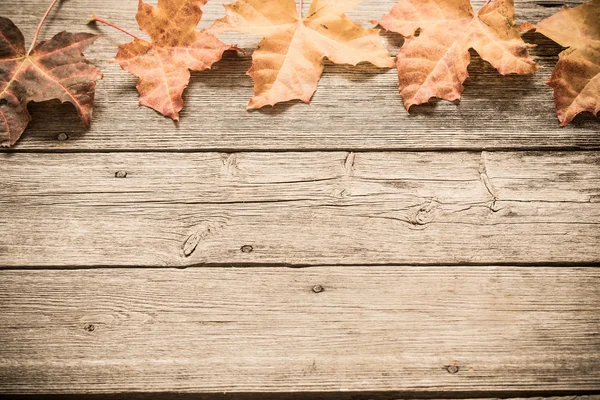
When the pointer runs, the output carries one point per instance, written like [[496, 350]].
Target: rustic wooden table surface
[[344, 248]]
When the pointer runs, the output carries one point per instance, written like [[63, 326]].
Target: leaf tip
[[235, 47], [251, 106], [408, 106], [390, 63], [527, 27]]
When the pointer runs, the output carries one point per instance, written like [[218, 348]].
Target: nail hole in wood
[[89, 328], [62, 137], [318, 289], [121, 174], [247, 248]]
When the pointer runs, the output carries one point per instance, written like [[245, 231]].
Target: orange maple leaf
[[163, 66], [433, 63], [289, 60], [52, 69], [576, 78]]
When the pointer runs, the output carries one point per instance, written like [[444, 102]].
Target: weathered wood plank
[[339, 395], [354, 108], [404, 329], [299, 208]]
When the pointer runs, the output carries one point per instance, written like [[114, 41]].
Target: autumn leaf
[[576, 78], [439, 33], [53, 69], [289, 60], [163, 65]]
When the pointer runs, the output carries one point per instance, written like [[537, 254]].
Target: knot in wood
[[424, 216], [121, 174], [452, 369], [190, 244], [247, 248], [62, 137], [318, 289]]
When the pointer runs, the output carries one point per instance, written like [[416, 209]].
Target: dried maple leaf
[[576, 78], [163, 66], [289, 60], [433, 63], [54, 69]]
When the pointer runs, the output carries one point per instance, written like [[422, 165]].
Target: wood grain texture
[[339, 395], [497, 112], [405, 329], [299, 208]]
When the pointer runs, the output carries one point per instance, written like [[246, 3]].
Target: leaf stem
[[37, 31], [105, 22], [300, 10]]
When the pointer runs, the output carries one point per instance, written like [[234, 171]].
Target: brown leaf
[[434, 62], [289, 60], [55, 69], [576, 78], [163, 66]]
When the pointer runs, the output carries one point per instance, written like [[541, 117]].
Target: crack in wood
[[191, 243], [349, 163], [483, 174]]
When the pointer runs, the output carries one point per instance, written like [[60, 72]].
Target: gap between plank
[[437, 395], [551, 264], [499, 149]]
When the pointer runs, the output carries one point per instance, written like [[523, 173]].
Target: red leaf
[[163, 65], [289, 60], [434, 63], [55, 69], [576, 78]]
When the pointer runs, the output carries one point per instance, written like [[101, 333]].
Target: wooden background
[[344, 249]]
